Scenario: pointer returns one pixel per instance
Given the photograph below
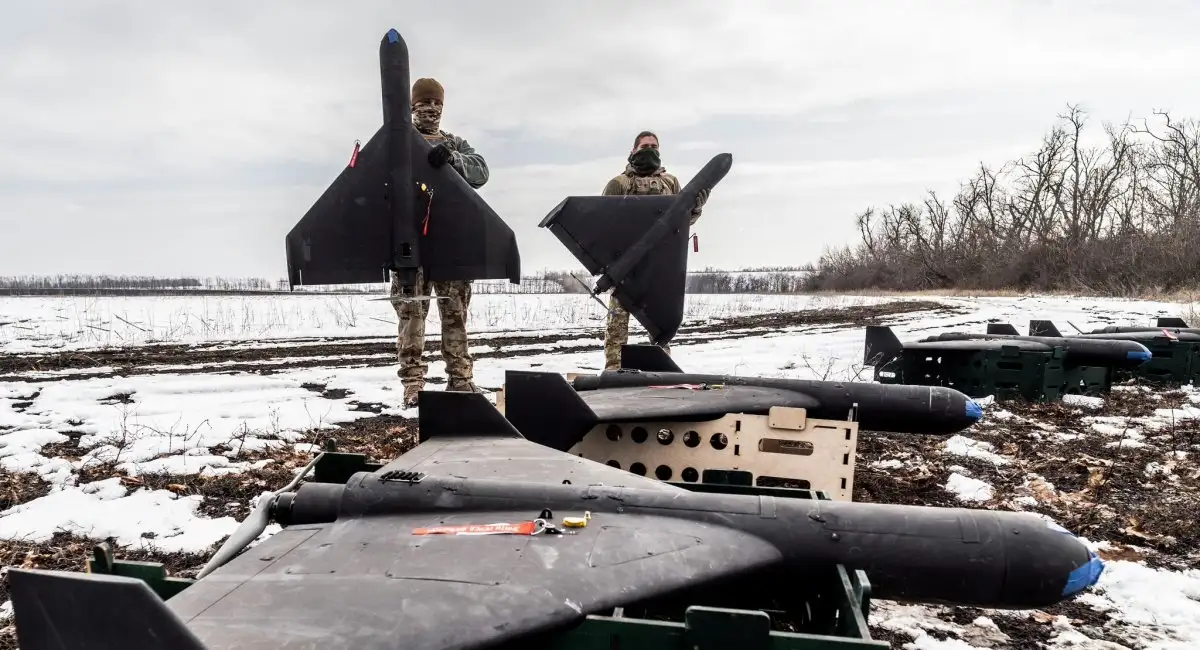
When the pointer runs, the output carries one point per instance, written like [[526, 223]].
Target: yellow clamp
[[577, 522]]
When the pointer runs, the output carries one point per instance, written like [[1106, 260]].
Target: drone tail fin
[[1043, 328], [647, 357], [880, 346], [54, 610], [546, 409]]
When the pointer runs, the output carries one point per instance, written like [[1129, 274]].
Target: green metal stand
[[152, 573], [1007, 373], [1171, 363], [1094, 381]]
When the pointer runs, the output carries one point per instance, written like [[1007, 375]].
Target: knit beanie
[[426, 88]]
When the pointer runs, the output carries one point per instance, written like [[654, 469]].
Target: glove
[[439, 155], [701, 199]]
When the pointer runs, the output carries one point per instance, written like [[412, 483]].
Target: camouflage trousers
[[616, 334], [410, 342]]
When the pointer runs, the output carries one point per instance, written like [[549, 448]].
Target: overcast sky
[[187, 138]]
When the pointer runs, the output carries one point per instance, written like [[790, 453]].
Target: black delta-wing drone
[[391, 210], [639, 250], [454, 545]]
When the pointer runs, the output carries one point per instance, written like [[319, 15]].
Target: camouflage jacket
[[660, 182], [465, 160]]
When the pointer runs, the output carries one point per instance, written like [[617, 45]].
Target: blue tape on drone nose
[[1139, 355], [1084, 576]]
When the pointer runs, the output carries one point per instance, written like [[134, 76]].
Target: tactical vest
[[660, 183]]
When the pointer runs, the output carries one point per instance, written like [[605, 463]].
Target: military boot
[[410, 395], [462, 386]]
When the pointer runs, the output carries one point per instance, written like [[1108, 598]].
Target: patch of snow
[[887, 464], [969, 489], [28, 441], [1110, 430], [912, 620], [157, 518], [959, 445], [1086, 401], [1163, 605], [1065, 636], [1175, 415], [917, 621], [188, 464], [19, 452], [1126, 443]]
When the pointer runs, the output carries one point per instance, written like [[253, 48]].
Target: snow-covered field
[[123, 416]]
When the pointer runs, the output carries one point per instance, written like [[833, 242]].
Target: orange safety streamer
[[522, 528]]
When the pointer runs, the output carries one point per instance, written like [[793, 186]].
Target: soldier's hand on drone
[[439, 155]]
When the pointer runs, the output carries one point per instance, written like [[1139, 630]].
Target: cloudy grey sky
[[153, 137]]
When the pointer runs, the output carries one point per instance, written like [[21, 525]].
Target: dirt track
[[365, 352]]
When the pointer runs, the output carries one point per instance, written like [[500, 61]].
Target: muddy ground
[[362, 352]]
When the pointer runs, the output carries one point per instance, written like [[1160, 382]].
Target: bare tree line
[[1117, 219], [762, 280]]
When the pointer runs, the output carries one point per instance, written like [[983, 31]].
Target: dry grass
[[1189, 298]]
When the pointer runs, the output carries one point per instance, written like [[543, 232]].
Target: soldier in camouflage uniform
[[644, 174], [454, 297]]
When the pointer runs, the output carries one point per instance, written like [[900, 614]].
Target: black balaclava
[[645, 161]]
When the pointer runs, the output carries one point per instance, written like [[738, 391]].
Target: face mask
[[645, 160], [426, 117]]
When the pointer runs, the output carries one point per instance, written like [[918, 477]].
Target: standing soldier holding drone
[[644, 174], [454, 296]]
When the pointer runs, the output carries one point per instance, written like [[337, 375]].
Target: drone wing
[[348, 235], [374, 582], [549, 411]]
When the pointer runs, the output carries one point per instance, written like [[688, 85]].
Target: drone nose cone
[[393, 36], [974, 411], [1142, 355], [1085, 575]]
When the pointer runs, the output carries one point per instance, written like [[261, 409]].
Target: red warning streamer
[[428, 207], [522, 528]]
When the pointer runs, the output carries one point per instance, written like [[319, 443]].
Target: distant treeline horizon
[[708, 280], [1118, 219]]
